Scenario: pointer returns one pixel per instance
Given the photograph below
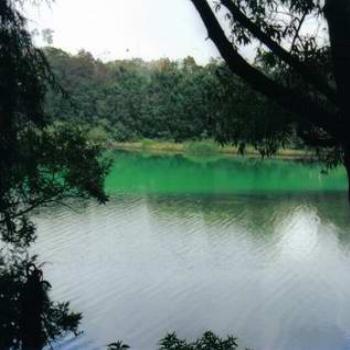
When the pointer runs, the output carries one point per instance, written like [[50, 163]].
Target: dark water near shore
[[256, 249]]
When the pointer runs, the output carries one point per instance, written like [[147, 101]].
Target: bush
[[98, 135], [147, 143], [208, 341], [202, 148]]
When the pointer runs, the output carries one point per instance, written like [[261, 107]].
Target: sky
[[125, 29], [122, 29]]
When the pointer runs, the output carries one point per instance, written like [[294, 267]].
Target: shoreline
[[183, 148]]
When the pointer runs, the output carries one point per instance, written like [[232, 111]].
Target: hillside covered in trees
[[178, 101]]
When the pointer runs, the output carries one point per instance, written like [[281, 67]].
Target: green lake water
[[162, 174], [257, 249]]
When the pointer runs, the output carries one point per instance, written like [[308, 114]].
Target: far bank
[[207, 147]]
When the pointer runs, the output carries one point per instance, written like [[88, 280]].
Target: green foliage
[[209, 341], [164, 100], [57, 319], [199, 148], [119, 345], [300, 63], [98, 135], [41, 162], [23, 69], [54, 163], [147, 143]]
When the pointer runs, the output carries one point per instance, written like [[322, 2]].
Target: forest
[[129, 100]]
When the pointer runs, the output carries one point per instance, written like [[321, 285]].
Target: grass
[[203, 148]]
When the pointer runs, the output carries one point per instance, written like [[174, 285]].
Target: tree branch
[[287, 98], [309, 75], [296, 36]]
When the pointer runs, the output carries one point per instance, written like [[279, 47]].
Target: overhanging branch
[[287, 98], [296, 35], [317, 81]]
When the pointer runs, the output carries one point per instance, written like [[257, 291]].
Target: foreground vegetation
[[209, 341], [306, 76], [40, 164]]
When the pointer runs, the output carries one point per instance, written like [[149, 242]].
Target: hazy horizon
[[120, 29]]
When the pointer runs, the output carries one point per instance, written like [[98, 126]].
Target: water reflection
[[164, 174], [272, 269]]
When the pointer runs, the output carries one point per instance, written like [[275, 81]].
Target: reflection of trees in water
[[28, 317], [259, 215], [136, 173]]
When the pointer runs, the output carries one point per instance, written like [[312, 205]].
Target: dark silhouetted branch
[[308, 74], [296, 36], [291, 100]]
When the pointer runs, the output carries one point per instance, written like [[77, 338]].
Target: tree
[[309, 72], [208, 341], [40, 163], [29, 320], [162, 100], [119, 345]]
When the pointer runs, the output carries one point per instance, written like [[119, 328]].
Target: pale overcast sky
[[113, 29]]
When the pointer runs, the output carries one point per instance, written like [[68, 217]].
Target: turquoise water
[[164, 174]]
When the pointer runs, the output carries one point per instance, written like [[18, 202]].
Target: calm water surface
[[256, 249]]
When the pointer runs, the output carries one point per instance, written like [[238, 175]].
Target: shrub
[[202, 148], [208, 341]]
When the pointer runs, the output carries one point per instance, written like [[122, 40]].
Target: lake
[[257, 249]]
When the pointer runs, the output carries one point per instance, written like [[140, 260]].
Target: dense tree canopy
[[309, 68], [164, 100]]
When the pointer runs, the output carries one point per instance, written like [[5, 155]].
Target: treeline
[[132, 99]]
